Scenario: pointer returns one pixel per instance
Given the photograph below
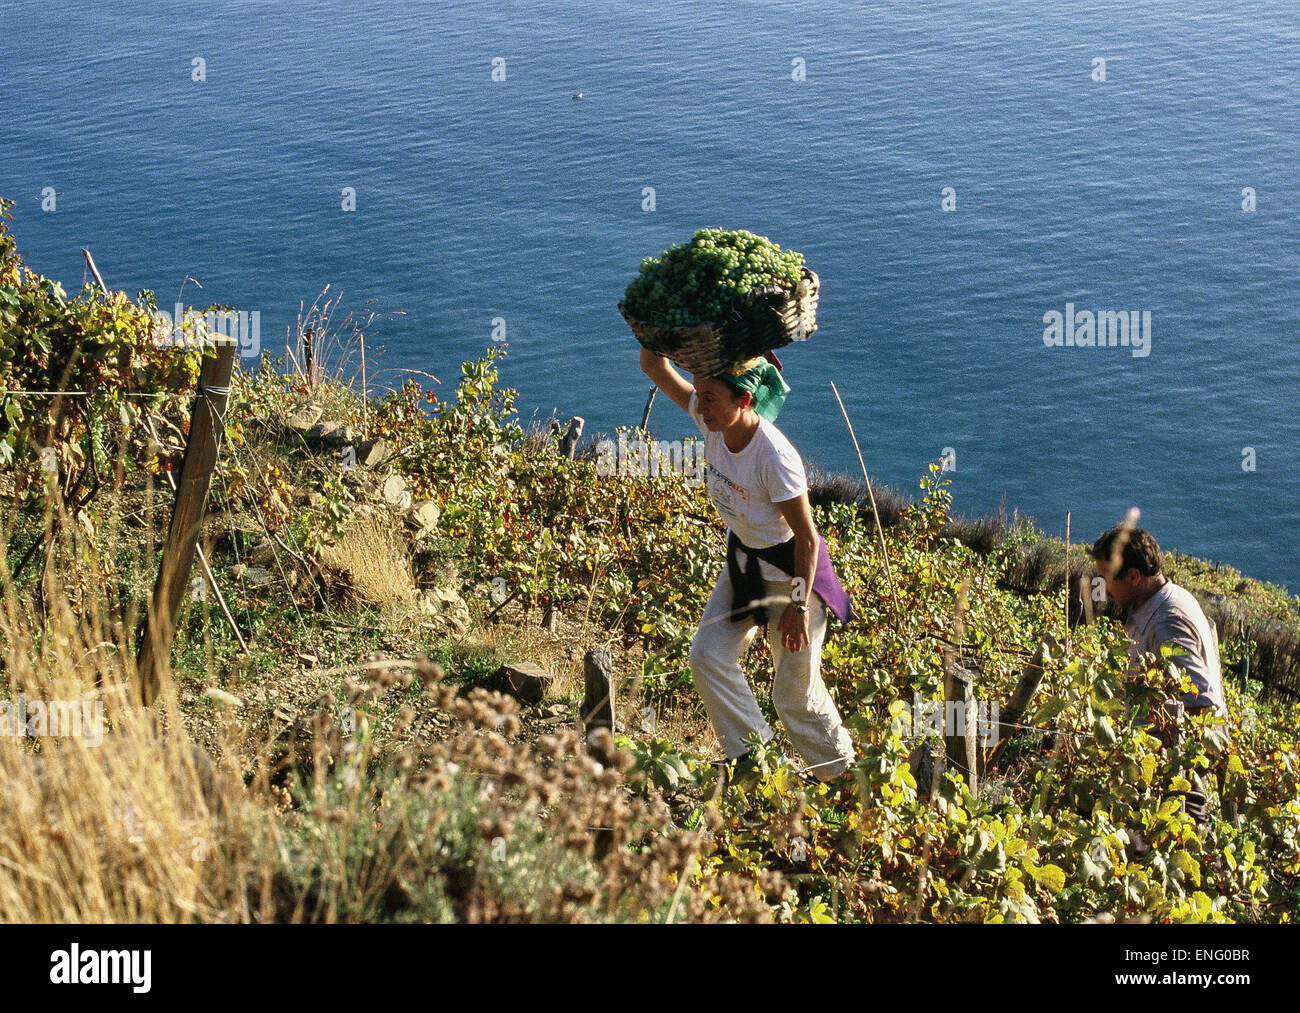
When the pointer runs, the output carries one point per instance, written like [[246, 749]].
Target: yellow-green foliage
[[1045, 839]]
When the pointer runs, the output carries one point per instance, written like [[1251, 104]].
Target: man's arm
[[1179, 631], [666, 378]]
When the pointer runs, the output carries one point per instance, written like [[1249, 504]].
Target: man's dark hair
[[1137, 549]]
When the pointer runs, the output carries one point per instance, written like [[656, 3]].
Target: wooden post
[[1084, 586], [597, 715], [1020, 698], [598, 702], [1245, 660], [203, 559], [960, 718], [1069, 586], [960, 734], [187, 517], [365, 401], [645, 415]]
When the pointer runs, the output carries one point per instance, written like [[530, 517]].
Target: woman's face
[[720, 406]]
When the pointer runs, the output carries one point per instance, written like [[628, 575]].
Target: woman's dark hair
[[735, 392], [1137, 550]]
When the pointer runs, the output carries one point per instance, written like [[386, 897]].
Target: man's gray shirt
[[1173, 614]]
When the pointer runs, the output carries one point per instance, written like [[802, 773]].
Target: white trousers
[[798, 692]]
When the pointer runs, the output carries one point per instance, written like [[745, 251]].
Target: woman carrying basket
[[774, 558]]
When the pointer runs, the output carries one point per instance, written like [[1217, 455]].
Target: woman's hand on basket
[[794, 629]]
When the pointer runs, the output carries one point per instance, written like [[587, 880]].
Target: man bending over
[[1161, 612]]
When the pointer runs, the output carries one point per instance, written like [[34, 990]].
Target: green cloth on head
[[765, 384]]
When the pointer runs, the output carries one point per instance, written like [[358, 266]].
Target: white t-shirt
[[746, 487]]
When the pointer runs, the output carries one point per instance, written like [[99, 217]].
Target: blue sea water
[[478, 199]]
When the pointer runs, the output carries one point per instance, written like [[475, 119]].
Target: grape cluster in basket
[[694, 283]]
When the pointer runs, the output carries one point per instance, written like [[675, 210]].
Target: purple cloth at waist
[[748, 583]]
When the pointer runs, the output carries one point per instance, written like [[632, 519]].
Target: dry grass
[[339, 369], [538, 440], [124, 831], [371, 554], [682, 722], [139, 825], [115, 816]]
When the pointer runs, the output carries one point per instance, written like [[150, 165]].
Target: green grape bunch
[[695, 283]]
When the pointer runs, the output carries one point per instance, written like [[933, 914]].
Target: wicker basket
[[763, 319]]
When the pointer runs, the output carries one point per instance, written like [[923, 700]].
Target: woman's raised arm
[[666, 378]]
